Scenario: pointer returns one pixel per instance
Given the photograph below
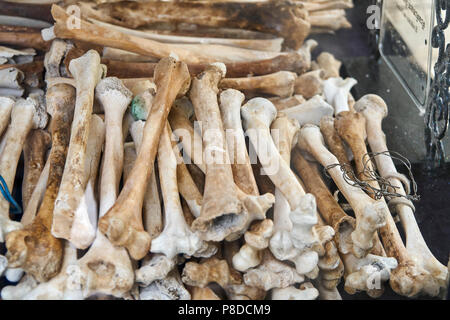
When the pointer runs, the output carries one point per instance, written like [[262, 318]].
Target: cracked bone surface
[[11, 78], [34, 153], [222, 211], [282, 18], [168, 288], [118, 224], [176, 237], [256, 240], [87, 72], [279, 84], [154, 268], [59, 287], [310, 112], [370, 214], [272, 273], [336, 92], [27, 114], [152, 215], [34, 248], [374, 109]]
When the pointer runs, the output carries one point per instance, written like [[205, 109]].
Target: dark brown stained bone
[[289, 61], [282, 18], [22, 37], [34, 248], [295, 63], [27, 10], [34, 153]]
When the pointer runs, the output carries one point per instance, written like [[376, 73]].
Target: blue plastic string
[[15, 209]]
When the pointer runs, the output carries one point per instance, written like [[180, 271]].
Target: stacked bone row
[[146, 188]]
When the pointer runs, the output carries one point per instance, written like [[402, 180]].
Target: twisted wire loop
[[16, 209], [437, 114], [387, 189]]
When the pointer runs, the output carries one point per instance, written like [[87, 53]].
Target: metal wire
[[386, 188]]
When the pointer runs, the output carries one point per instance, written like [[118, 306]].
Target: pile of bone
[[147, 188]]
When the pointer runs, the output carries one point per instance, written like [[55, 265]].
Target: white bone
[[169, 288], [292, 293], [26, 114], [17, 292], [336, 91], [256, 240], [87, 72], [272, 273], [370, 214], [310, 111], [176, 236], [157, 267], [374, 110]]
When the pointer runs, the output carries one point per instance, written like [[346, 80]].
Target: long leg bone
[[35, 249], [332, 139], [87, 71], [277, 84], [171, 78], [34, 152], [176, 236], [374, 110], [258, 114], [191, 53], [152, 205], [115, 99], [222, 211], [85, 219], [104, 269], [343, 226], [241, 62], [272, 44], [286, 19], [370, 214], [230, 107], [17, 292], [26, 115]]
